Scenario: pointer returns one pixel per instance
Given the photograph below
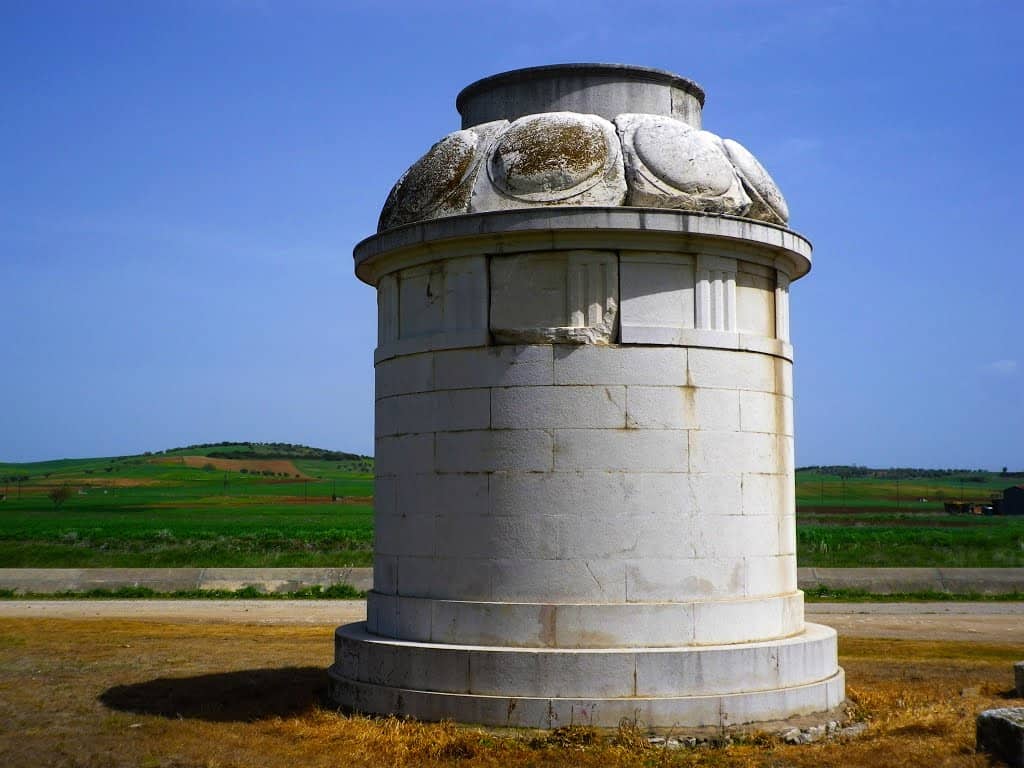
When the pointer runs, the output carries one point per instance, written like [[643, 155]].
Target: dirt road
[[964, 622]]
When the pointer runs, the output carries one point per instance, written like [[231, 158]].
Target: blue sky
[[181, 185]]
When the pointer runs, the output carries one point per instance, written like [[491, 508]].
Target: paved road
[[973, 622]]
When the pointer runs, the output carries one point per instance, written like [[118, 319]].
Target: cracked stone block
[[1000, 732]]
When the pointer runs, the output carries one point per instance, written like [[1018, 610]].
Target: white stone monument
[[584, 421]]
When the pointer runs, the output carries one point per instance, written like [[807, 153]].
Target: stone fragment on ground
[[1000, 732], [806, 735]]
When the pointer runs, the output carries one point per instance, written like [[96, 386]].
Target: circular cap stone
[[606, 90]]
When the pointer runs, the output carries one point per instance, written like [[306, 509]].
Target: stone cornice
[[556, 228]]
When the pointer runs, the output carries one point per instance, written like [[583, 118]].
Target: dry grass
[[96, 693], [286, 466]]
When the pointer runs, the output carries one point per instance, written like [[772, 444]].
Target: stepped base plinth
[[680, 687]]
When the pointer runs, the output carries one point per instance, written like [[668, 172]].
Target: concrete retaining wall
[[985, 581], [269, 580], [883, 581]]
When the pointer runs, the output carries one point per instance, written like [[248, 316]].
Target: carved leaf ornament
[[572, 159]]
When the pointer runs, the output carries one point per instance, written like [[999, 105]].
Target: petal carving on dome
[[670, 164], [439, 183], [555, 158], [768, 203]]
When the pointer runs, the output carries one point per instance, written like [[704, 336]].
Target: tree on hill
[[59, 495]]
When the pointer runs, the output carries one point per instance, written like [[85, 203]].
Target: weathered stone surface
[[440, 182], [556, 158], [767, 202], [672, 165], [1000, 732], [1018, 678]]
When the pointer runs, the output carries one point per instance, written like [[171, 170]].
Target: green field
[[148, 511], [896, 519], [247, 505]]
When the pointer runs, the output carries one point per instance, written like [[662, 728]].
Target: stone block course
[[460, 578], [500, 366], [407, 535], [605, 449], [476, 536], [528, 450], [590, 493], [765, 412], [385, 573], [404, 453], [716, 493], [744, 452], [531, 580], [656, 408], [768, 494], [723, 369], [404, 375], [593, 407], [771, 575], [593, 365], [684, 579], [444, 411], [735, 536]]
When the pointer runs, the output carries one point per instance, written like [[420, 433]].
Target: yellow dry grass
[[234, 465], [98, 693]]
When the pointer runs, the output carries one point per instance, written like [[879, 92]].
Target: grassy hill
[[269, 504]]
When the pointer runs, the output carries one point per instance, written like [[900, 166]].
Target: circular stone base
[[690, 687]]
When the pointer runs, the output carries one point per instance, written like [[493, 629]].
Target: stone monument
[[584, 421]]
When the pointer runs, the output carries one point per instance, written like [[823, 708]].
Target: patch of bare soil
[[114, 692], [234, 465], [89, 482], [858, 515], [935, 625]]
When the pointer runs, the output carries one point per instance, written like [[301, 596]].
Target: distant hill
[[221, 454], [906, 473], [230, 450]]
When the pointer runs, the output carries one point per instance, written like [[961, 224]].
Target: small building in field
[[1013, 500], [971, 507]]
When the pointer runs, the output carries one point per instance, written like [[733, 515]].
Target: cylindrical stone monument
[[584, 421]]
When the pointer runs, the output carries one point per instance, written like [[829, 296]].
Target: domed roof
[[584, 154]]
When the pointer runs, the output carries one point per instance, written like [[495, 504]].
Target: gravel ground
[[969, 622]]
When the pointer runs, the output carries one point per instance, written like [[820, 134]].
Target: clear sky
[[181, 185]]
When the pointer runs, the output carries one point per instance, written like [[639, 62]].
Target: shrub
[[59, 495]]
